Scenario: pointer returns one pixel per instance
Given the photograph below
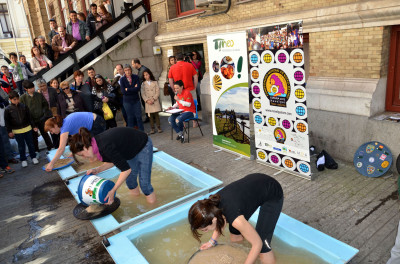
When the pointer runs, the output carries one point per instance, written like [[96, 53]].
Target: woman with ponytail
[[70, 126], [234, 205], [130, 150]]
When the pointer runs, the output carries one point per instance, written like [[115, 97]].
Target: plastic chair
[[195, 118], [186, 128]]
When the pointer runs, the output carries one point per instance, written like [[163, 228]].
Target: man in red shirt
[[183, 71]]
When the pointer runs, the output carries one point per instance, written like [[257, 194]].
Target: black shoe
[[320, 161], [182, 139], [147, 120], [330, 163], [178, 137]]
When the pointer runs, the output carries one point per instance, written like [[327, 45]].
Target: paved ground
[[37, 225]]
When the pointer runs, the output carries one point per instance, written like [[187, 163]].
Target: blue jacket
[[130, 91]]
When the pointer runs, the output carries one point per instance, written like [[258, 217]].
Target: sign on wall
[[277, 89], [229, 91]]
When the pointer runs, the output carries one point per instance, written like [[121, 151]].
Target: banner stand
[[307, 177], [232, 152]]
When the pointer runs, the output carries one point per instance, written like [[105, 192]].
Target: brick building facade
[[347, 55]]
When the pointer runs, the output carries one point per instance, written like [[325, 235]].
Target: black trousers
[[45, 135]]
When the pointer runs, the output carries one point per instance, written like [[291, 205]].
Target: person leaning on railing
[[103, 18], [62, 42], [78, 29], [45, 48], [92, 18], [39, 61]]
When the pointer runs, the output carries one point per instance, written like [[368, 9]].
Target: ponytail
[[81, 140], [203, 212], [52, 122]]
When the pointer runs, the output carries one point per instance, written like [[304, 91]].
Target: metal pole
[[12, 29]]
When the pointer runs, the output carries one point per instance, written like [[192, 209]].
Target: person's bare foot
[[151, 198], [135, 192]]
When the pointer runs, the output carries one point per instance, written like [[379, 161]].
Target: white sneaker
[[35, 161], [24, 164]]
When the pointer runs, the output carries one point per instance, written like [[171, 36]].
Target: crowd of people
[[26, 112]]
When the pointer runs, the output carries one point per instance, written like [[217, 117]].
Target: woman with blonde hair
[[69, 101]]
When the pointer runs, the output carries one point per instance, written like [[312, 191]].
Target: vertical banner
[[227, 55], [278, 93]]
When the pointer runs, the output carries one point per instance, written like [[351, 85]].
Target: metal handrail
[[127, 20]]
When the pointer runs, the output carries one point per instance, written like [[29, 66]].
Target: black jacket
[[91, 23], [63, 105], [17, 117], [53, 97], [48, 51]]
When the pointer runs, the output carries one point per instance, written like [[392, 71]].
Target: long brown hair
[[52, 122], [202, 213], [78, 141]]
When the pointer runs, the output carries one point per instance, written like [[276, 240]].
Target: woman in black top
[[102, 93], [234, 205], [128, 149]]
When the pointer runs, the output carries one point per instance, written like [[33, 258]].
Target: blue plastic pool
[[291, 231], [201, 180]]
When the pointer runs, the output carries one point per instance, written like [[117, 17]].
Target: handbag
[[108, 114], [166, 90]]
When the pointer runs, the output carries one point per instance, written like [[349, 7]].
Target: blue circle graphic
[[304, 168], [254, 58], [258, 119], [300, 111]]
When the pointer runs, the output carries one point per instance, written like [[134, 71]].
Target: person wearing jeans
[[4, 168], [130, 87], [132, 157], [185, 102], [19, 125]]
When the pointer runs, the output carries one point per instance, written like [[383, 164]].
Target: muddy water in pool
[[167, 185], [175, 244]]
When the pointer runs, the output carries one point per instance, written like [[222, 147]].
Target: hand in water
[[110, 197], [205, 246], [49, 167]]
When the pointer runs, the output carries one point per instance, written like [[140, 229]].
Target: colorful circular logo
[[299, 93], [256, 89], [385, 164], [254, 58], [257, 104], [300, 110], [304, 168], [267, 58], [286, 124], [274, 159], [272, 121], [258, 119], [282, 57], [255, 74], [359, 164], [276, 87], [298, 75], [298, 57], [289, 163], [280, 135], [261, 155], [301, 127]]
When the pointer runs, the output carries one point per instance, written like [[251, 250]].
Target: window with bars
[[5, 22]]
